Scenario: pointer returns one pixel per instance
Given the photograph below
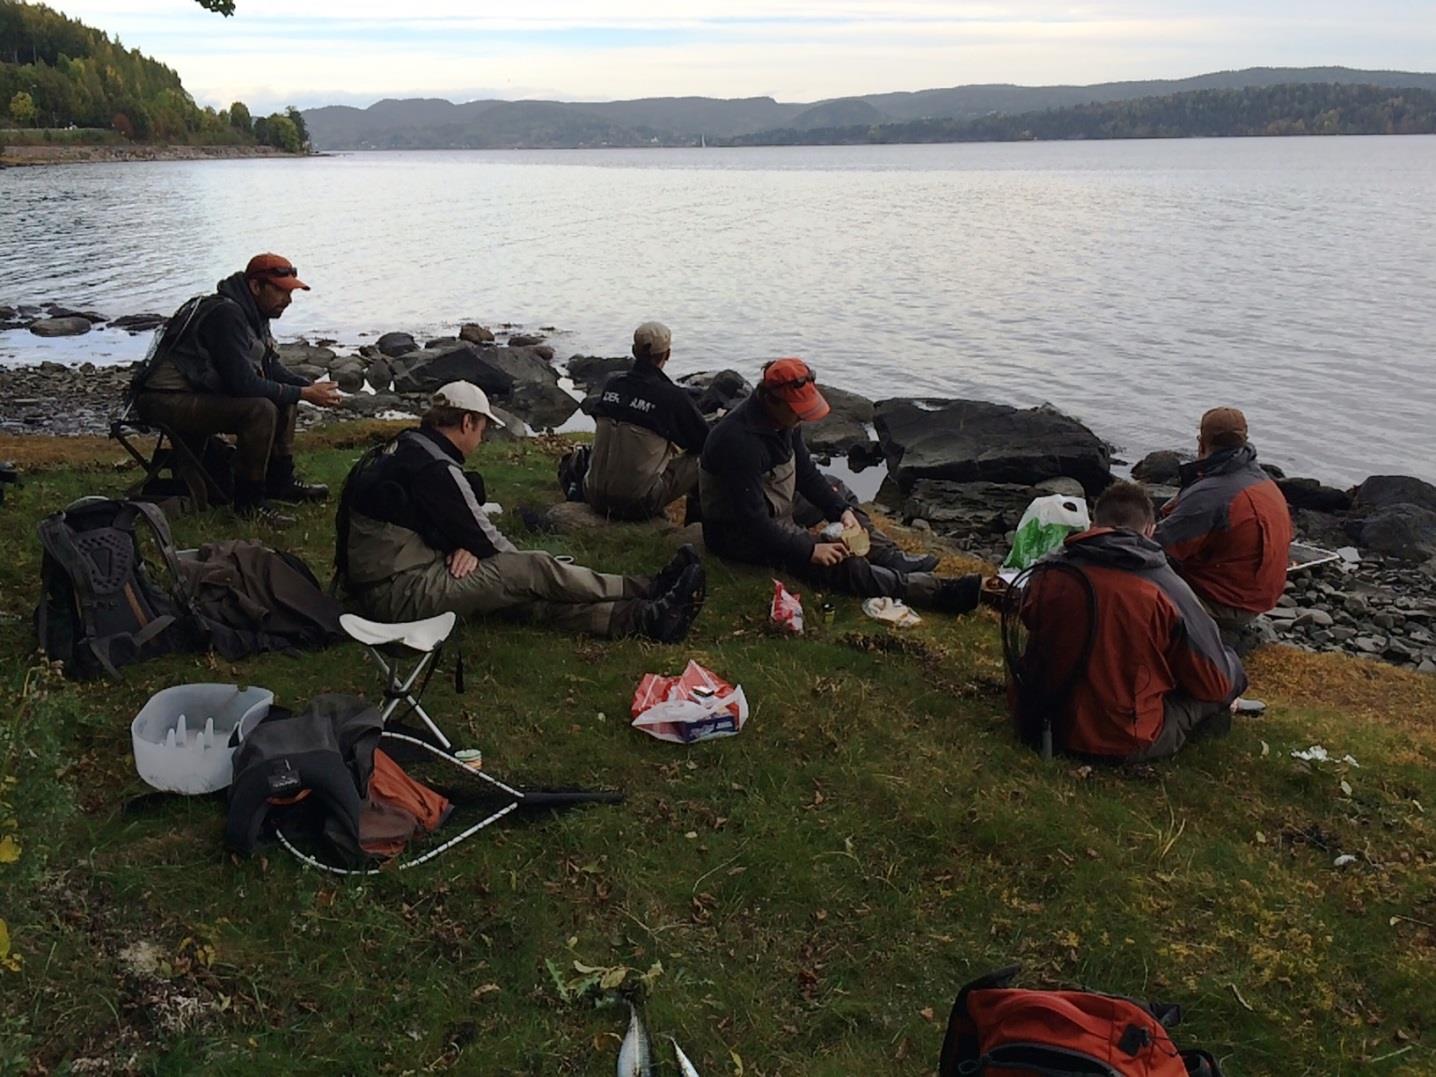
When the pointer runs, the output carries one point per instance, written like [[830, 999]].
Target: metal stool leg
[[401, 691]]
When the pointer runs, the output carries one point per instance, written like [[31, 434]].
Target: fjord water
[[1132, 284]]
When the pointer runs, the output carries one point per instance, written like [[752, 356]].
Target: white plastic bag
[[1043, 527], [698, 705]]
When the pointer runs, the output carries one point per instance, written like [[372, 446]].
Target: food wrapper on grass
[[697, 705], [787, 609]]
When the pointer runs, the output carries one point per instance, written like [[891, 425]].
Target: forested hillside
[[1302, 109], [689, 121], [56, 72]]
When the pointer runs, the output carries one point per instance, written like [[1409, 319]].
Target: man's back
[[1228, 532], [1151, 638], [643, 421]]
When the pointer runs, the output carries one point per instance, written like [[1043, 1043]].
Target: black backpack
[[99, 609]]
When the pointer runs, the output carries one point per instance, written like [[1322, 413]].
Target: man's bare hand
[[323, 393], [461, 563], [829, 554], [850, 520]]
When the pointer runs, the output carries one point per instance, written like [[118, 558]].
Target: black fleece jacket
[[227, 332]]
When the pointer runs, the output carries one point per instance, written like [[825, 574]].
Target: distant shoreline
[[60, 154]]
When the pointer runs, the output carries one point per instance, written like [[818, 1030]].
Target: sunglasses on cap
[[292, 271], [810, 378]]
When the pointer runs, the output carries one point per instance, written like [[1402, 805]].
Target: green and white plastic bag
[[1046, 523]]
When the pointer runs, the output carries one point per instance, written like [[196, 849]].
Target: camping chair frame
[[516, 799], [170, 453]]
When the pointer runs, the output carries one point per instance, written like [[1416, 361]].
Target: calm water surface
[[1133, 284]]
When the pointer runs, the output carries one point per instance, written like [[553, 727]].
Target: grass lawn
[[815, 890]]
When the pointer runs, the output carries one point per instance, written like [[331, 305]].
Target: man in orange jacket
[[1157, 672], [1228, 530]]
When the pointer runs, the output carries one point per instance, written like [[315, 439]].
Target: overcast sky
[[314, 52]]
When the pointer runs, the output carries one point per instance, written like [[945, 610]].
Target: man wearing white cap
[[413, 540]]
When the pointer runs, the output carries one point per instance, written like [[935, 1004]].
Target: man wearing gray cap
[[413, 541], [648, 435]]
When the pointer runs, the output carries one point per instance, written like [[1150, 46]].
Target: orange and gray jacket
[[1228, 530], [1151, 638]]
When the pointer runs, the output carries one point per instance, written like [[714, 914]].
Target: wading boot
[[958, 595], [250, 504], [282, 484], [667, 618], [669, 573]]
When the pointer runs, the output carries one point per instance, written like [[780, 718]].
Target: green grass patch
[[815, 889]]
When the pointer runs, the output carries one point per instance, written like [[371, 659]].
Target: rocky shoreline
[[962, 469], [59, 153]]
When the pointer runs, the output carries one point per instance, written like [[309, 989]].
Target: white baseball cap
[[466, 396]]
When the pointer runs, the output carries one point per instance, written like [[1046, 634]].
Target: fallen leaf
[[927, 1014], [1346, 787], [9, 849]]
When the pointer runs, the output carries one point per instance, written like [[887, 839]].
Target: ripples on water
[[1133, 284]]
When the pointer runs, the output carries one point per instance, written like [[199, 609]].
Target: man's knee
[[260, 415]]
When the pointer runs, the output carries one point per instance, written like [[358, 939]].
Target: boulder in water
[[1162, 467], [976, 441], [716, 389], [844, 427], [524, 340], [1310, 494], [392, 344], [592, 370], [1382, 491], [476, 334], [139, 323], [60, 327], [427, 370]]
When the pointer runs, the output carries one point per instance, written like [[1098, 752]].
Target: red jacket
[[1151, 638], [1228, 531]]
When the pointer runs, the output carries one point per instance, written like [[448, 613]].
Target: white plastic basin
[[182, 735]]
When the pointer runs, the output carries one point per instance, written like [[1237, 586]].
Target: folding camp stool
[[170, 453], [425, 638]]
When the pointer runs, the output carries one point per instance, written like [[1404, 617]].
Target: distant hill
[[683, 121], [1284, 109]]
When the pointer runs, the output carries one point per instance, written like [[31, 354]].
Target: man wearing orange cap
[[754, 466], [1228, 530], [217, 371]]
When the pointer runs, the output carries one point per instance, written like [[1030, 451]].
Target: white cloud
[[277, 51]]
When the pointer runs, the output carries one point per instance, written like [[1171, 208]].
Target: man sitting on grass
[[413, 541], [1228, 530], [647, 435], [1158, 673], [755, 464]]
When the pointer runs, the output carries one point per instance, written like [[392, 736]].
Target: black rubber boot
[[282, 484], [669, 573], [958, 595], [668, 618]]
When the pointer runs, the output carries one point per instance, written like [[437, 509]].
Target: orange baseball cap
[[793, 382], [276, 269]]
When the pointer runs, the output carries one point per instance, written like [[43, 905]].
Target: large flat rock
[[977, 441]]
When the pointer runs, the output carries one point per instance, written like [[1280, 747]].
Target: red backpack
[[1001, 1031]]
